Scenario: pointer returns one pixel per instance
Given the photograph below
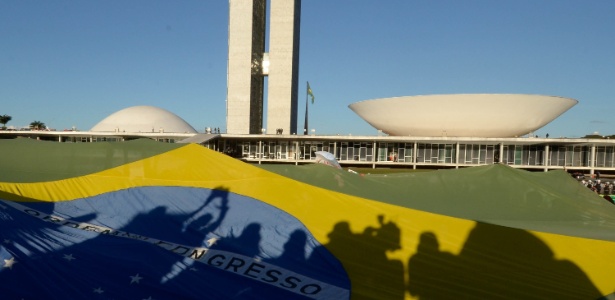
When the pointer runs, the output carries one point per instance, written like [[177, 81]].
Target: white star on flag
[[69, 257], [135, 279], [211, 241], [8, 263], [98, 290]]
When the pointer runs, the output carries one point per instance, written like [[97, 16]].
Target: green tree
[[37, 125], [5, 119], [593, 136]]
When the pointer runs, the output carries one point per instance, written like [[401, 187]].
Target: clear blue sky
[[72, 63]]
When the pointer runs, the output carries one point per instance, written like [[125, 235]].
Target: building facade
[[584, 155], [245, 81], [249, 62], [283, 75]]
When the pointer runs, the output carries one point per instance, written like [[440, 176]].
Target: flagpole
[[305, 125]]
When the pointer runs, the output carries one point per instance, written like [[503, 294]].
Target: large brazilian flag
[[148, 220]]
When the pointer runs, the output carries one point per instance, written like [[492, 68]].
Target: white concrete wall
[[283, 68], [240, 60]]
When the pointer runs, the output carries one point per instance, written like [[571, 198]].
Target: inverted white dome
[[462, 115], [143, 119]]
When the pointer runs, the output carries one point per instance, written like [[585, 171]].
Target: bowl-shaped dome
[[462, 115], [143, 119]]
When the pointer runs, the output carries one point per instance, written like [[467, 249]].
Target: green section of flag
[[33, 161], [309, 92]]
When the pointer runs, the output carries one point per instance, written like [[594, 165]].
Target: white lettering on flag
[[224, 260]]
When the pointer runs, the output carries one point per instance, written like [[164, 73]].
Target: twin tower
[[249, 63]]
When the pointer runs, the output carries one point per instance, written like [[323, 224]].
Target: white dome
[[143, 119], [462, 115]]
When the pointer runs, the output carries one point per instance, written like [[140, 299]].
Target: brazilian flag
[[149, 220]]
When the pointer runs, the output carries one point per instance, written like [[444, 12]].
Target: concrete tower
[[245, 82], [249, 62]]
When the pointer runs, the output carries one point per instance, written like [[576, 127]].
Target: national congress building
[[430, 131]]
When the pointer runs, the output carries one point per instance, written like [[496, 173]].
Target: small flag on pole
[[309, 92]]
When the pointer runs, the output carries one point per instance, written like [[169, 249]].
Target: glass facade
[[570, 156], [412, 154], [435, 153], [355, 151], [528, 153], [471, 154], [605, 156], [523, 155]]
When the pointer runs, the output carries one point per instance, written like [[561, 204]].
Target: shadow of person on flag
[[294, 256], [497, 261], [363, 255], [430, 270], [136, 247], [247, 243]]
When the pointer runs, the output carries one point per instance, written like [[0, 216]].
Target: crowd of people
[[600, 187]]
